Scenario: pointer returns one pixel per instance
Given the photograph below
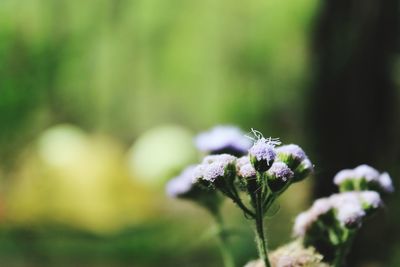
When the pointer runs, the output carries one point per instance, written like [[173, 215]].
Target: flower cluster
[[363, 177], [183, 186], [347, 209], [255, 171], [331, 222], [252, 172]]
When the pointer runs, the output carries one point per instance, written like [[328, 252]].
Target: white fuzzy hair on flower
[[263, 148]]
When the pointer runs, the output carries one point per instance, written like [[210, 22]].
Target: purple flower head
[[350, 215], [307, 164], [281, 171], [302, 223], [198, 172], [242, 161], [247, 171], [181, 184], [221, 138], [263, 150], [349, 208], [214, 170], [293, 151], [214, 166], [262, 153], [385, 182], [244, 168], [371, 199], [344, 175], [320, 206], [345, 198], [367, 172]]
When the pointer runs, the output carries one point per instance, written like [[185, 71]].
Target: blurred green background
[[100, 101]]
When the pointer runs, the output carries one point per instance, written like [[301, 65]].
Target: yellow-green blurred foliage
[[68, 176]]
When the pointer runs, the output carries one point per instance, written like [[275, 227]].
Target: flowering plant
[[252, 172], [255, 171], [331, 223]]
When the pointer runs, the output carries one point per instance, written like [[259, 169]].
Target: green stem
[[268, 202], [343, 249], [260, 236], [339, 257], [227, 257]]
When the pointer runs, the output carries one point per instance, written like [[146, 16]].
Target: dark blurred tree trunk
[[353, 101]]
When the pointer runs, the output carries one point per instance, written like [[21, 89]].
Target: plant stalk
[[260, 235], [226, 254], [343, 250]]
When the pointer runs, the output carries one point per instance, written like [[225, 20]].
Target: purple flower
[[367, 172], [293, 151], [350, 215], [344, 175], [302, 223], [371, 199], [280, 171], [263, 150], [223, 138], [385, 182], [244, 168], [181, 184], [214, 166]]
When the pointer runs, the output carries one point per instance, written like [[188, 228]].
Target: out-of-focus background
[[100, 101]]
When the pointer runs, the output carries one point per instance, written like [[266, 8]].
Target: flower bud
[[385, 183], [291, 154], [305, 169], [362, 178], [371, 201], [262, 155], [244, 168], [344, 175], [350, 215], [301, 224], [278, 176], [182, 185], [367, 172], [218, 166]]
